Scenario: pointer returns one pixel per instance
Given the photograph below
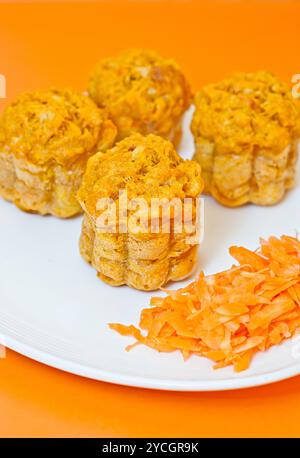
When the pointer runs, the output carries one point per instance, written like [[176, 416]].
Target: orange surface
[[42, 45]]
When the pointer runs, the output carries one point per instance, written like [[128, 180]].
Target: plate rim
[[146, 382]]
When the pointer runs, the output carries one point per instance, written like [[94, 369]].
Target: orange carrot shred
[[231, 315]]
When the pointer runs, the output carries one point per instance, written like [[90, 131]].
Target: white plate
[[54, 309]]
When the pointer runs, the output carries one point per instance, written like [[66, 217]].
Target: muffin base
[[145, 262], [235, 179], [40, 189]]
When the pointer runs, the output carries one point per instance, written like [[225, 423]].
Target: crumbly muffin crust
[[143, 92], [245, 130], [46, 138]]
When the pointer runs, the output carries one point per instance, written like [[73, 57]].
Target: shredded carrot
[[231, 315]]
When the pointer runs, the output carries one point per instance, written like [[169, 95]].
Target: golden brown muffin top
[[247, 110], [59, 125], [144, 166], [144, 92]]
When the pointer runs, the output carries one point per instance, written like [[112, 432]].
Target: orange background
[[55, 44]]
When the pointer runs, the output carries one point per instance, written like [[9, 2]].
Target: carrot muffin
[[143, 92], [46, 139], [140, 250], [246, 129]]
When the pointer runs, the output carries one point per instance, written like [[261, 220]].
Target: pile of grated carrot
[[231, 315]]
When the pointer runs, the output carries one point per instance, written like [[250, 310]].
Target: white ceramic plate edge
[[140, 382]]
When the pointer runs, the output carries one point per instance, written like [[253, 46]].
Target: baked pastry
[[246, 129], [46, 139], [144, 256], [143, 92]]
